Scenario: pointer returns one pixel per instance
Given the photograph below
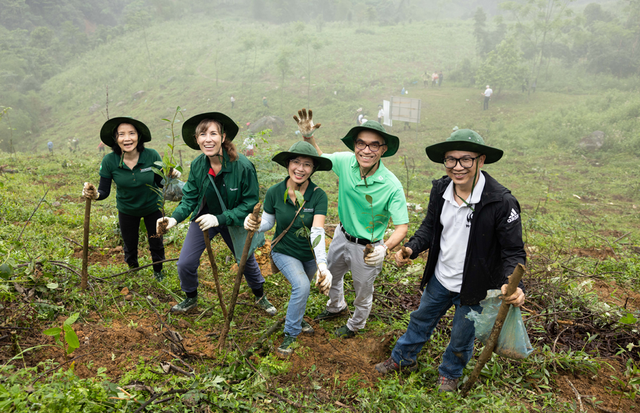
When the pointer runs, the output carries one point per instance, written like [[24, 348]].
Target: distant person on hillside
[[425, 79], [101, 148], [487, 96], [50, 146], [264, 102], [380, 114], [368, 192], [69, 145], [533, 86], [440, 78], [358, 116], [75, 143], [222, 189], [233, 102], [249, 144], [403, 91], [434, 79], [360, 119], [130, 165]]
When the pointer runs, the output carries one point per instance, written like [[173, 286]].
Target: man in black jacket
[[473, 233]]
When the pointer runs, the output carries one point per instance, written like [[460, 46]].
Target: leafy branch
[[372, 224]]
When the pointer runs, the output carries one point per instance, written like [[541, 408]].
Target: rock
[[592, 142], [137, 95], [94, 107], [122, 102], [55, 204], [276, 124]]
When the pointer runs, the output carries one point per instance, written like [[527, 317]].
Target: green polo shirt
[[274, 203], [134, 195], [354, 210]]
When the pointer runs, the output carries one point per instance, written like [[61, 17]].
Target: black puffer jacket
[[495, 244]]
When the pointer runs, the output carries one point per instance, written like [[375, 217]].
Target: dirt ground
[[321, 358]]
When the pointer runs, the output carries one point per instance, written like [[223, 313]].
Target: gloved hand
[[174, 173], [250, 224], [402, 256], [305, 123], [207, 221], [89, 191], [376, 257], [171, 222], [323, 278]]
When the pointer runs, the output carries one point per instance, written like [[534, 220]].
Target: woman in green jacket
[[129, 166], [237, 187]]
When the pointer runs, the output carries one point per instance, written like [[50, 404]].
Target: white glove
[[323, 278], [89, 191], [376, 257], [174, 173], [250, 224], [171, 222], [207, 221]]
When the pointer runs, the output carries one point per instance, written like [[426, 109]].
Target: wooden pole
[[514, 279], [214, 269], [85, 244], [236, 286]]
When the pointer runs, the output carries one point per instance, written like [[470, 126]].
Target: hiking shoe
[[306, 328], [345, 332], [159, 275], [389, 366], [326, 315], [285, 349], [263, 303], [186, 305], [448, 385]]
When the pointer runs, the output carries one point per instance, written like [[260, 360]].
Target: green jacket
[[237, 183]]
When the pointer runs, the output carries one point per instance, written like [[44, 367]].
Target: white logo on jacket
[[514, 216]]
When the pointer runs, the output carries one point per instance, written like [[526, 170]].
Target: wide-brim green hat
[[189, 127], [303, 148], [108, 131], [463, 140], [392, 142]]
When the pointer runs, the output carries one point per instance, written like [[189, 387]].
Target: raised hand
[[305, 123]]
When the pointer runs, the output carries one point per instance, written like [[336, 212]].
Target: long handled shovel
[[514, 279], [85, 244], [214, 269], [236, 286]]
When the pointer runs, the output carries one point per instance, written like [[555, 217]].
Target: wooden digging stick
[[236, 286], [85, 244], [214, 269], [514, 279]]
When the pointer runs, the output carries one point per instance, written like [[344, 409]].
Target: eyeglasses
[[306, 165], [373, 146], [466, 162]]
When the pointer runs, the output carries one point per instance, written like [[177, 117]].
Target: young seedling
[[368, 249], [70, 336], [165, 168]]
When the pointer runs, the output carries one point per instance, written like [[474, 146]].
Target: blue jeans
[[192, 250], [299, 275], [435, 302]]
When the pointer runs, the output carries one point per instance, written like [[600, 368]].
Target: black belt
[[361, 241]]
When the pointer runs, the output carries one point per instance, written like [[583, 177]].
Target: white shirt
[[454, 239], [380, 113], [249, 142], [488, 92]]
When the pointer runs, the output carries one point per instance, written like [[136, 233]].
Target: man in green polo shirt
[[369, 195]]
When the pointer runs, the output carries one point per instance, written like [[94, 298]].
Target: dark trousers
[[486, 103], [192, 250], [129, 226]]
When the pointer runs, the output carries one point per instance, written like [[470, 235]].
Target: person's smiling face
[[365, 156], [462, 176], [210, 140], [127, 138], [300, 169]]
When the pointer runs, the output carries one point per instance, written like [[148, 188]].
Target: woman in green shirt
[[216, 209], [129, 166], [292, 252]]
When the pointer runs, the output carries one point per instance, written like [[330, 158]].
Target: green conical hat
[[463, 140]]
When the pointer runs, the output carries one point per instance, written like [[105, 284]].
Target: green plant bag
[[513, 341], [239, 234]]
